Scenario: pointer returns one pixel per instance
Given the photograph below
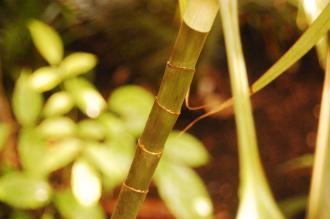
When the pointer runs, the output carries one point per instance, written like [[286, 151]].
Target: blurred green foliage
[[75, 147], [65, 121]]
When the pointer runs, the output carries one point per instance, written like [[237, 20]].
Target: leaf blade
[[185, 149], [183, 191], [23, 191], [133, 104], [70, 208], [47, 41], [27, 103], [86, 97], [309, 38], [77, 63]]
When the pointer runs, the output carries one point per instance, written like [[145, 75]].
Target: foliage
[[75, 147], [70, 131]]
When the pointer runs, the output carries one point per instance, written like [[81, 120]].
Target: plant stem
[[9, 155], [256, 200], [319, 204], [178, 75]]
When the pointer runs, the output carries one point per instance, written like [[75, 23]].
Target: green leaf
[[50, 157], [45, 79], [31, 148], [27, 103], [183, 191], [57, 127], [69, 208], [77, 63], [133, 104], [112, 161], [303, 161], [58, 104], [85, 183], [309, 38], [115, 129], [4, 133], [60, 154], [87, 98], [23, 191], [186, 149], [47, 41], [91, 129]]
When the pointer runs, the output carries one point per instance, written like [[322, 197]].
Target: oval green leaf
[[60, 154], [112, 161], [57, 128], [85, 183], [185, 149], [91, 129], [47, 41], [183, 191], [27, 103], [77, 63], [45, 79], [31, 148], [69, 208], [115, 129], [23, 191], [87, 98], [58, 104], [133, 104]]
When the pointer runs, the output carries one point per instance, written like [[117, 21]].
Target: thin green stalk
[[256, 200], [197, 22], [319, 204]]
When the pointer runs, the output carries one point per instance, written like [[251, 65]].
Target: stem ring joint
[[144, 149], [180, 68], [130, 188], [166, 109]]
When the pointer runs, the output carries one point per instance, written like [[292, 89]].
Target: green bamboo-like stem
[[319, 205], [176, 81], [256, 200]]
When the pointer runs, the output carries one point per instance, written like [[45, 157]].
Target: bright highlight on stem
[[256, 200], [200, 14], [177, 78]]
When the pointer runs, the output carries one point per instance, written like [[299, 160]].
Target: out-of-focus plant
[[74, 146], [256, 200]]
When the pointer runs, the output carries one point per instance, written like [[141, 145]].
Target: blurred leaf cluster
[[75, 147]]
